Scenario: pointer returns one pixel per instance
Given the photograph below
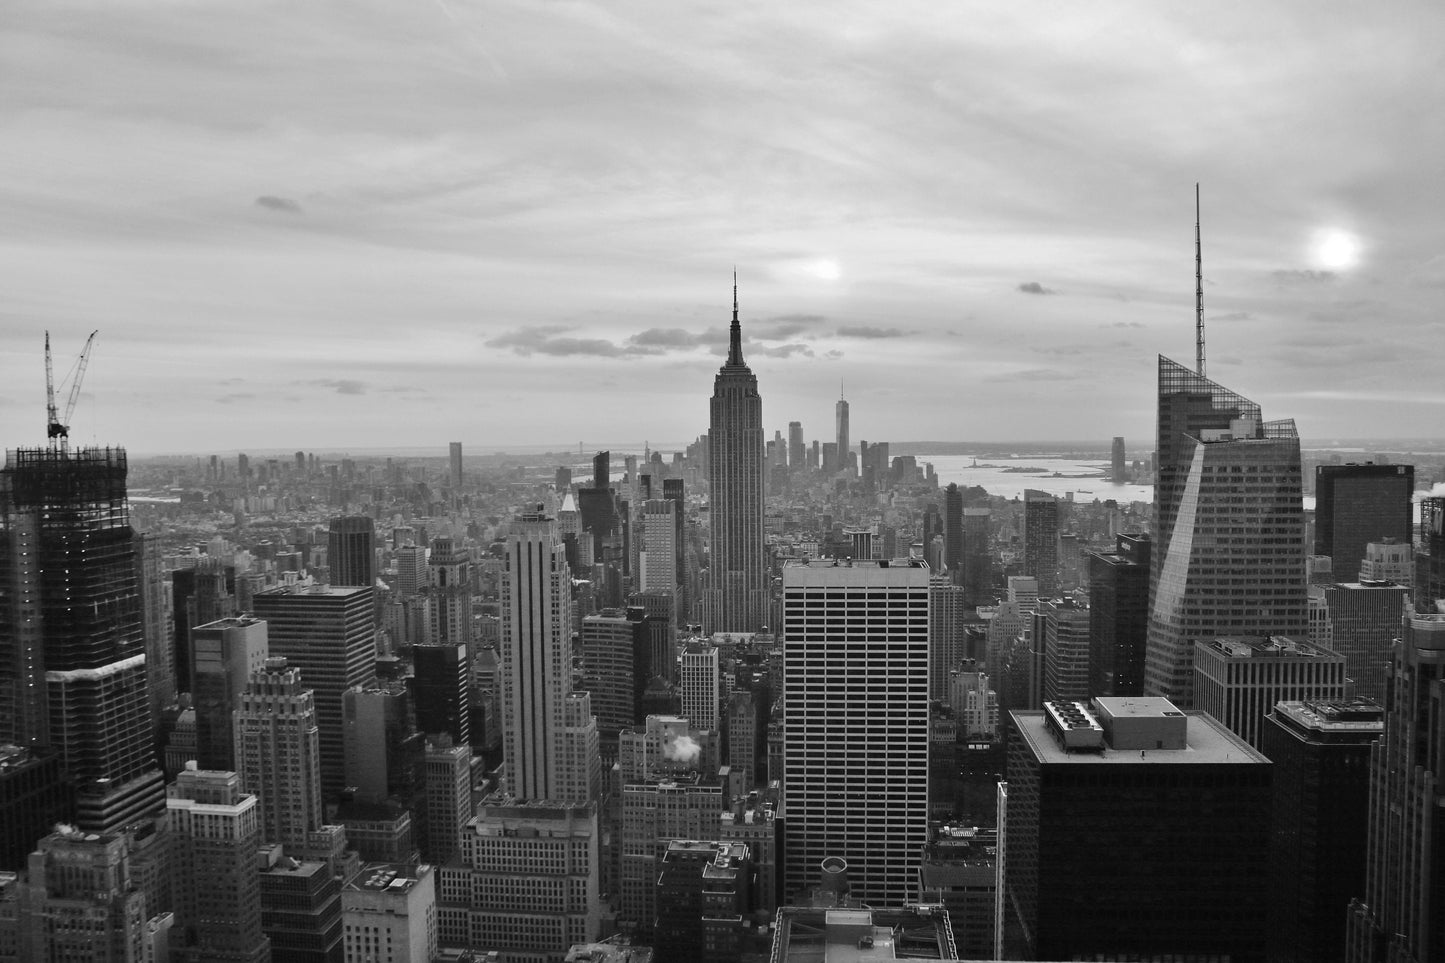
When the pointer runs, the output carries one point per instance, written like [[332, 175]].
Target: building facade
[[1359, 504]]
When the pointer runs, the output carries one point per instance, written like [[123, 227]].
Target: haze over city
[[514, 223]]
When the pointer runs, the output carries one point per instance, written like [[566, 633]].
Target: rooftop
[[1356, 715], [388, 877], [1270, 647], [854, 572], [819, 935], [1206, 742]]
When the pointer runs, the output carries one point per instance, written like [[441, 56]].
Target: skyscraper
[[1229, 550], [225, 653], [1041, 540], [855, 719], [1238, 681], [797, 453], [454, 464], [328, 633], [700, 686], [953, 532], [1359, 504], [215, 831], [1402, 915], [1430, 562], [351, 550], [659, 546], [278, 753], [536, 655], [72, 646], [737, 594], [1119, 617], [451, 593], [1117, 473], [977, 559]]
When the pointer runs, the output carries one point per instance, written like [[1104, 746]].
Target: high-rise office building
[[82, 904], [1430, 561], [327, 632], [1117, 468], [1364, 618], [737, 593], [1229, 528], [1389, 560], [35, 795], [536, 655], [1239, 680], [449, 567], [527, 882], [840, 421], [700, 685], [947, 616], [440, 686], [200, 595], [1087, 784], [1359, 504], [278, 752], [614, 670], [1062, 630], [215, 830], [977, 559], [411, 570], [388, 914], [454, 464], [702, 899], [225, 653], [855, 720], [448, 798], [660, 546], [1041, 540], [1119, 617], [580, 767], [953, 532], [1402, 915], [72, 642], [797, 449], [351, 550], [1321, 756]]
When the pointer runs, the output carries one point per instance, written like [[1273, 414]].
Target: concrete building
[[1041, 540], [700, 685], [959, 871], [1389, 560], [527, 883], [389, 914], [215, 830], [1063, 630], [1364, 618], [1229, 528], [1239, 680], [1133, 829], [277, 753], [948, 615], [847, 931], [855, 696], [702, 900], [448, 798], [79, 902], [449, 577]]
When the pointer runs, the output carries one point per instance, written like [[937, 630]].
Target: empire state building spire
[[735, 334]]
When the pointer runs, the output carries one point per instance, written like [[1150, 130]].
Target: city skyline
[[291, 230]]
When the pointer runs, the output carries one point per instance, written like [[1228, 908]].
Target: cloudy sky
[[331, 224]]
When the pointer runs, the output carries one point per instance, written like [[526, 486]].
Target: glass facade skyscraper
[[1230, 534]]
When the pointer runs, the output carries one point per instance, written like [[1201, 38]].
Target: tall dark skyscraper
[[351, 550], [737, 592], [977, 558], [1118, 467], [1402, 916], [841, 419], [1359, 504], [797, 451], [1041, 540], [1229, 524], [953, 533], [454, 464], [1119, 617], [1430, 562], [72, 647]]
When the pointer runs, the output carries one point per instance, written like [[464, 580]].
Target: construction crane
[[57, 427]]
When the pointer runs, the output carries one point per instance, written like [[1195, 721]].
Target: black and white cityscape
[[1081, 654]]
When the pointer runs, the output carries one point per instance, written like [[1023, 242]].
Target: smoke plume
[[682, 749]]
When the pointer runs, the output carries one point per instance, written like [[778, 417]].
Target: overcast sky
[[365, 223]]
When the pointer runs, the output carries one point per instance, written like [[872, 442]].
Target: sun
[[826, 270], [1336, 249]]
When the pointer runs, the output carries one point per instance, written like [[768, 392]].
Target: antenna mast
[[1198, 290]]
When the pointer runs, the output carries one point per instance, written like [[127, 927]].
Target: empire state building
[[737, 585]]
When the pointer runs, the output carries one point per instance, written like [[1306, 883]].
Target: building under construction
[[72, 649]]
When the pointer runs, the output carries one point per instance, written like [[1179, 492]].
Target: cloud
[[344, 386], [1128, 324], [1034, 287], [782, 350], [234, 397], [544, 339], [782, 327], [284, 205], [1302, 277], [868, 331], [662, 339], [1231, 316]]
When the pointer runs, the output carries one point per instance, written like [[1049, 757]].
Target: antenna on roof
[[1198, 290]]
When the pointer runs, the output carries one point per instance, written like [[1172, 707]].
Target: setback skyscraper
[[1229, 552], [737, 594]]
